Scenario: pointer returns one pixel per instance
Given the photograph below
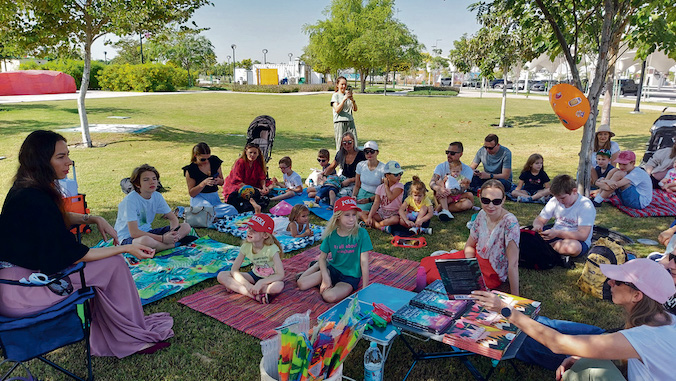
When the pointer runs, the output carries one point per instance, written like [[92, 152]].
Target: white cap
[[372, 145]]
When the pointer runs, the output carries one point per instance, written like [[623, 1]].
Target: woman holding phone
[[203, 176], [343, 105]]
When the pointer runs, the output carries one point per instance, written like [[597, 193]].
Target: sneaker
[[542, 200], [387, 229], [524, 199], [475, 208], [597, 204], [427, 231], [445, 215], [567, 262], [414, 230]]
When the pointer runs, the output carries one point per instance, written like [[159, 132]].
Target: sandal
[[262, 298]]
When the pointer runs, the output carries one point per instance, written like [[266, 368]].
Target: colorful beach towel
[[259, 320], [662, 205], [173, 270], [236, 225], [322, 211]]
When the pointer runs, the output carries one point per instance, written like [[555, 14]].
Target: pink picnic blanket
[[663, 205]]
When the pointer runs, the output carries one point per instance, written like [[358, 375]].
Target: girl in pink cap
[[349, 245], [267, 273], [648, 342]]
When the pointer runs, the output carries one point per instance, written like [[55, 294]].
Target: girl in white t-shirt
[[267, 273]]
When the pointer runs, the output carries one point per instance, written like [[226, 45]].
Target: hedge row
[[436, 88], [74, 68], [281, 88], [146, 77]]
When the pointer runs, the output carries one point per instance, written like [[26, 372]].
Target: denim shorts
[[255, 277], [630, 197], [337, 276], [158, 231]]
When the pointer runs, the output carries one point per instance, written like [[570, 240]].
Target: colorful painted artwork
[[237, 226], [176, 269]]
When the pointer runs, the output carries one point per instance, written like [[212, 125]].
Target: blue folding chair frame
[[29, 337]]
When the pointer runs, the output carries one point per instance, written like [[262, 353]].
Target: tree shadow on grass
[[15, 127], [125, 111], [636, 143], [285, 142], [24, 106], [533, 120]]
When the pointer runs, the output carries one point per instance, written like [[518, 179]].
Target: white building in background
[[13, 64]]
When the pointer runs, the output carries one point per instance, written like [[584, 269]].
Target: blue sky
[[277, 26]]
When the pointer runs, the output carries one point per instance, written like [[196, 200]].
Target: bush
[[74, 68], [281, 88], [145, 77], [436, 88]]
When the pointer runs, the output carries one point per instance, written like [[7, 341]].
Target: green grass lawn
[[414, 131]]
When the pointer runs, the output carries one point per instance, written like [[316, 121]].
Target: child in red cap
[[262, 248], [349, 245]]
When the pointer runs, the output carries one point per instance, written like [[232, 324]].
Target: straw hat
[[605, 128]]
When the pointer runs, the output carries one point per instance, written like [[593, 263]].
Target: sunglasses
[[369, 151], [320, 160], [672, 257], [490, 148], [202, 159], [347, 142], [486, 201], [620, 282], [452, 152], [393, 174]]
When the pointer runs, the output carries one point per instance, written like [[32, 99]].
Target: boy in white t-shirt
[[631, 184], [573, 215], [136, 212], [293, 184]]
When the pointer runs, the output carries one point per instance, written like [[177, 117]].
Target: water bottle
[[373, 363]]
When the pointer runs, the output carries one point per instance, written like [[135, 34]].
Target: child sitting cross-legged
[[262, 248], [533, 182], [417, 209], [389, 196], [292, 183], [324, 159], [137, 210], [603, 167], [330, 189], [349, 246]]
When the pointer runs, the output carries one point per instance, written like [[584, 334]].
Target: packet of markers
[[317, 354]]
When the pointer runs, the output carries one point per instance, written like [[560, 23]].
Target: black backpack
[[535, 253]]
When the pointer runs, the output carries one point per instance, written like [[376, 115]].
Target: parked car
[[471, 83], [628, 86], [500, 83], [446, 81], [542, 85]]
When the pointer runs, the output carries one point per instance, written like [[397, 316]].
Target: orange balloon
[[570, 105]]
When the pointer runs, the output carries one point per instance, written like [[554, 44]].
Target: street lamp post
[[105, 57], [265, 52], [233, 46], [228, 57], [140, 39]]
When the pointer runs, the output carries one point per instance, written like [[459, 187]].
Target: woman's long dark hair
[[35, 168]]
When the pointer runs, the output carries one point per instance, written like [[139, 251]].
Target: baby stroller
[[262, 132], [662, 135]]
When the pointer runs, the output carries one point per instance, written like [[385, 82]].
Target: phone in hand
[[349, 87]]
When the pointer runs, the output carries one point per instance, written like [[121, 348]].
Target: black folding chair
[[29, 337]]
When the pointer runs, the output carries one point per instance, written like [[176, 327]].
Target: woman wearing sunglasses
[[348, 157], [370, 173], [494, 240], [647, 342], [203, 176]]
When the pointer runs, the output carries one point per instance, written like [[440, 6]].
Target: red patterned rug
[[246, 315], [662, 205]]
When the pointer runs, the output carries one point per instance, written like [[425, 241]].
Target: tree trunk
[[613, 53], [584, 164], [362, 79], [504, 99], [82, 112], [385, 88]]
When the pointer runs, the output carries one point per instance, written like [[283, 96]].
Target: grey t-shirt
[[495, 163], [345, 115]]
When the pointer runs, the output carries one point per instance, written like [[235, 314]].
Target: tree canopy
[[361, 35], [184, 48], [36, 25]]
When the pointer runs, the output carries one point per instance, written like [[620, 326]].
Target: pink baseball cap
[[625, 157], [344, 204], [261, 223], [648, 276]]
